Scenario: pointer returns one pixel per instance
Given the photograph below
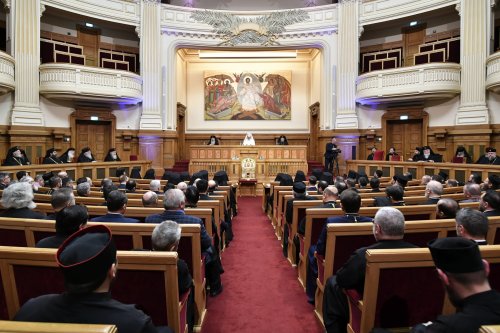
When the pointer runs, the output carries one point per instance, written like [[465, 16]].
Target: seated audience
[[168, 186], [155, 186], [341, 186], [174, 202], [150, 199], [67, 182], [112, 156], [213, 141], [15, 157], [116, 202], [491, 183], [322, 185], [300, 176], [490, 157], [182, 186], [38, 182], [85, 156], [472, 224], [391, 155], [388, 230], [425, 180], [105, 182], [330, 197], [461, 155], [130, 186], [69, 220], [447, 208], [378, 174], [490, 203], [55, 183], [17, 199], [451, 183], [123, 179], [68, 156], [363, 182], [166, 237], [88, 262], [408, 175], [282, 141], [202, 186], [61, 199], [433, 192], [249, 140], [394, 197], [4, 180], [81, 180], [465, 277], [438, 178], [370, 157], [83, 189], [21, 174], [192, 196], [375, 184], [475, 178], [472, 192], [212, 186], [350, 202], [400, 180], [312, 183], [150, 174], [62, 174], [51, 157]]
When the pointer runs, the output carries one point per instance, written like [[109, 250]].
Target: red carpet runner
[[261, 290]]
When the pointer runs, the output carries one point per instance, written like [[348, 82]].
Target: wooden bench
[[159, 297], [127, 236], [8, 326], [389, 305], [490, 329]]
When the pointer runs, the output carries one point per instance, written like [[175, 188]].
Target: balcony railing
[[77, 82], [435, 80], [493, 72], [7, 64]]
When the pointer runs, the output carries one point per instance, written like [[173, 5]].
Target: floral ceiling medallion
[[262, 30]]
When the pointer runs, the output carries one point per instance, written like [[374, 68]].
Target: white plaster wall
[[181, 79], [6, 103], [299, 99], [258, 5], [442, 113], [369, 118], [56, 112], [127, 116], [316, 68], [493, 102]]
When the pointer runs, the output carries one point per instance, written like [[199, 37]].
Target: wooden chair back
[[8, 326]]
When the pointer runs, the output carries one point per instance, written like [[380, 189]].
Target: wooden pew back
[[8, 326]]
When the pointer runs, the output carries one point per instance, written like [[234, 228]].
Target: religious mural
[[247, 96]]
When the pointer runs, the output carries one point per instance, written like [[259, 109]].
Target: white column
[[150, 48], [473, 53], [26, 51], [347, 69]]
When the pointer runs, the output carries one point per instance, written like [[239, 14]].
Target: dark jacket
[[484, 160], [114, 218], [20, 213], [52, 160]]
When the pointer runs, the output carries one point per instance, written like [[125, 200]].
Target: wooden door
[[94, 134], [404, 135], [89, 39], [412, 38]]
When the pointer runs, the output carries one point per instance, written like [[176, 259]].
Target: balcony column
[[473, 52], [150, 53], [26, 50], [347, 68]]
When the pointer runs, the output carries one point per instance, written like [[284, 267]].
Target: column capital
[[138, 31], [458, 8], [361, 29], [42, 9]]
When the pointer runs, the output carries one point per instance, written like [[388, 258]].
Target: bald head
[[150, 199], [182, 186]]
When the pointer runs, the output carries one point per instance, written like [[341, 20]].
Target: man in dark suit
[[472, 224], [433, 192], [68, 221], [490, 157], [375, 184], [394, 197], [331, 152], [123, 182], [465, 277], [299, 193], [87, 260], [4, 180], [447, 208], [388, 230], [60, 199], [350, 202], [174, 202], [116, 202], [330, 197], [490, 203]]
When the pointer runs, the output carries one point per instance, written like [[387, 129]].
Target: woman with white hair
[[249, 141], [18, 200]]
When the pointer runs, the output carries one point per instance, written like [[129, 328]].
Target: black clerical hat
[[299, 187], [403, 180], [456, 255], [85, 258], [491, 150]]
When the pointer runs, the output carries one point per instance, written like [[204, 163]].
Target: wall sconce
[[66, 138]]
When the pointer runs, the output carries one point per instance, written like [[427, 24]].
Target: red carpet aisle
[[261, 290]]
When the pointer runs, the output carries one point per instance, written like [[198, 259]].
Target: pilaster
[[150, 53], [474, 50], [26, 50], [347, 69]]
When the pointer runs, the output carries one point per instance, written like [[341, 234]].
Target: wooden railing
[[96, 170], [456, 171]]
